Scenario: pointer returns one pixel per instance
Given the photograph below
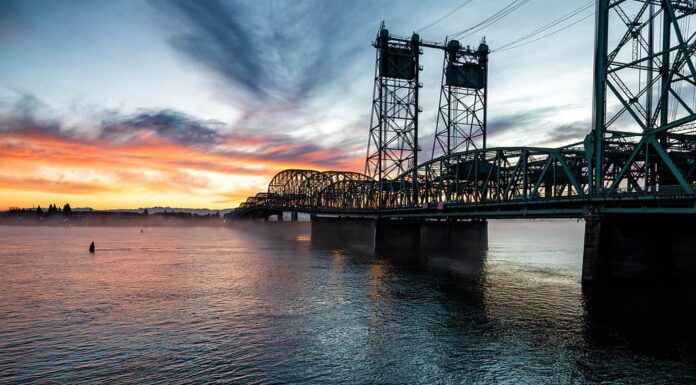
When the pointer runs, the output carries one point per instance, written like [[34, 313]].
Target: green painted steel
[[640, 156]]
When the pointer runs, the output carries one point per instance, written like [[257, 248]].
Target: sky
[[197, 104]]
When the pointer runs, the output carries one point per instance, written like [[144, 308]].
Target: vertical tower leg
[[393, 144]]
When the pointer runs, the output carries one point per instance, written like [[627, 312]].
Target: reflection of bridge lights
[[378, 270], [378, 295], [303, 238], [338, 257]]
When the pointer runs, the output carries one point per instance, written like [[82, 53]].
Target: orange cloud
[[41, 168]]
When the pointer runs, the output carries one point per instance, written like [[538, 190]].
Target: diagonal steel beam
[[627, 106], [670, 164], [682, 45], [569, 174], [543, 172]]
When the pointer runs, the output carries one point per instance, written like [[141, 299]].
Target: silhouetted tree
[[67, 210], [146, 212], [39, 211], [52, 209]]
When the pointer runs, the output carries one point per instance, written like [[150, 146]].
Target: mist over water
[[203, 305]]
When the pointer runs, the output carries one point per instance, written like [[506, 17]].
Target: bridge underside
[[403, 239], [630, 249], [620, 247]]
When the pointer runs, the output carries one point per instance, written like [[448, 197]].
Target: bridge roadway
[[512, 182], [573, 207]]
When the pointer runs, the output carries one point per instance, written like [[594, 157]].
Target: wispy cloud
[[567, 133], [167, 124], [218, 37], [274, 52], [503, 124]]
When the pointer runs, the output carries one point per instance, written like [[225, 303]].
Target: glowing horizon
[[104, 175]]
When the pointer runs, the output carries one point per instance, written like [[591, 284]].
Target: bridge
[[632, 178]]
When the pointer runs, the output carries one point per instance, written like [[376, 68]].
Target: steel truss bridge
[[639, 157]]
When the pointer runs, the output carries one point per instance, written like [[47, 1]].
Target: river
[[224, 305]]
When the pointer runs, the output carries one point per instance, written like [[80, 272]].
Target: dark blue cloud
[[24, 114], [168, 124], [568, 133], [218, 37], [270, 50], [500, 124]]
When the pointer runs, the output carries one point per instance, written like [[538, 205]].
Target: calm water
[[218, 305]]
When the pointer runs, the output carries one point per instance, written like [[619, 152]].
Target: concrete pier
[[400, 238], [645, 249], [447, 236], [352, 233]]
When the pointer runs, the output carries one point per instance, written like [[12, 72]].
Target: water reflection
[[233, 305], [656, 320], [517, 312]]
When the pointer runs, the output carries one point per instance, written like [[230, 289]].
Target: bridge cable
[[494, 18], [545, 36], [524, 40], [443, 17]]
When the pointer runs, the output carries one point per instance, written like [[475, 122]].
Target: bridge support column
[[401, 239], [454, 236], [274, 229], [267, 215], [353, 233], [398, 239], [646, 249]]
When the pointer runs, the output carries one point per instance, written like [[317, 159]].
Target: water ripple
[[202, 305]]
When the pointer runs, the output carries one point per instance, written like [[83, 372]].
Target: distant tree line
[[66, 216], [53, 210], [66, 211]]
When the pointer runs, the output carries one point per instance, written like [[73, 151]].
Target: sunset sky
[[127, 104]]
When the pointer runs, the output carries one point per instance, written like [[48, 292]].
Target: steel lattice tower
[[461, 124], [643, 82], [393, 144]]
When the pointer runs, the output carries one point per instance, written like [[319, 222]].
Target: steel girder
[[296, 188], [393, 141], [503, 174], [461, 122], [499, 174], [642, 147], [643, 133], [493, 177], [349, 195]]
